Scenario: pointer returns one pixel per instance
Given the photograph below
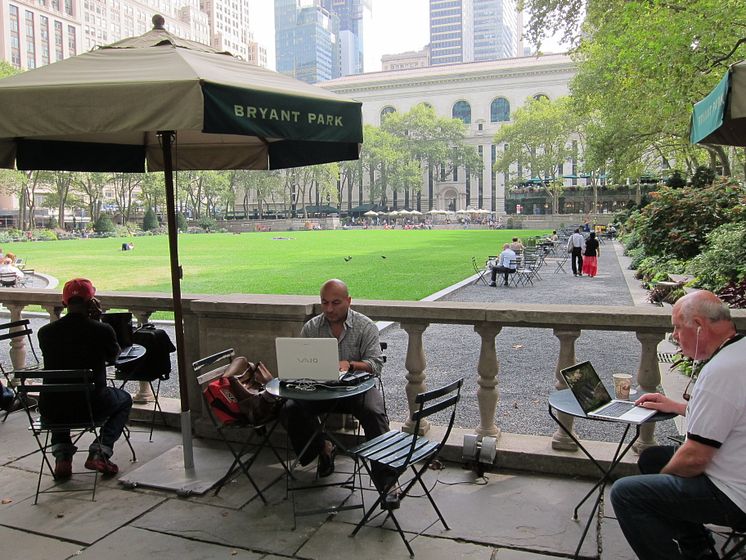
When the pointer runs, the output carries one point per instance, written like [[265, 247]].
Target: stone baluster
[[17, 345], [488, 367], [415, 364], [55, 311], [567, 337], [144, 391], [648, 380]]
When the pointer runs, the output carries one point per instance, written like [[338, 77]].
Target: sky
[[396, 26]]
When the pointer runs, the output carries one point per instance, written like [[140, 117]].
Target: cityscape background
[[465, 59]]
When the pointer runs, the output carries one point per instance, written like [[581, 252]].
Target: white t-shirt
[[507, 259], [716, 416]]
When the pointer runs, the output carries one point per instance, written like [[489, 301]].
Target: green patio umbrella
[[174, 104], [720, 118]]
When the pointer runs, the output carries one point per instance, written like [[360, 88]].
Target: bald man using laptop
[[359, 350]]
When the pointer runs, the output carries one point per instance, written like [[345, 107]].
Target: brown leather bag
[[254, 402]]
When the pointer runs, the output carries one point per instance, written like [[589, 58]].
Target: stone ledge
[[514, 451]]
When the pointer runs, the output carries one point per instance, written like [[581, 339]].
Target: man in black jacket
[[76, 341]]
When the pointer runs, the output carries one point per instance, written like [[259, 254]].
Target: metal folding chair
[[401, 451], [561, 262], [261, 432], [17, 329], [77, 388], [480, 271]]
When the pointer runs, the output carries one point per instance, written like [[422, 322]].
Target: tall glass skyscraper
[[318, 40], [473, 30]]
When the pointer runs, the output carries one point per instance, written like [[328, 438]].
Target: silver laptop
[[595, 400], [316, 359]]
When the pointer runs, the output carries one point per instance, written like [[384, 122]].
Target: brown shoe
[[63, 468]]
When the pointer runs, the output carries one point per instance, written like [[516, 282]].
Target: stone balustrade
[[250, 323]]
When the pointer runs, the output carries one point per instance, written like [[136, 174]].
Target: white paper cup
[[622, 385]]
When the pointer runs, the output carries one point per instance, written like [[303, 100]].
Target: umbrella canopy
[[323, 209], [364, 208], [720, 118], [172, 104], [371, 213], [102, 110]]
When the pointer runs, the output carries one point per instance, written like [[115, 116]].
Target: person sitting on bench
[[505, 264]]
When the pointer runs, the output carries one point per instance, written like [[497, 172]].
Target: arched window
[[500, 110], [386, 111], [462, 111], [541, 97]]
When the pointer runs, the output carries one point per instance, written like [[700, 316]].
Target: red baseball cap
[[78, 288]]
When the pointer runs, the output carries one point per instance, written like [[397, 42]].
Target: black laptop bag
[[156, 363]]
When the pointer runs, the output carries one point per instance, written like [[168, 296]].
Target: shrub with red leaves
[[734, 294]]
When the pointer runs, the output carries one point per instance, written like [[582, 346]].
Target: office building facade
[[484, 95], [318, 40], [473, 30], [34, 33]]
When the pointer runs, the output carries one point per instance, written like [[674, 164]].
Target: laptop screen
[[307, 358], [587, 387], [122, 325]]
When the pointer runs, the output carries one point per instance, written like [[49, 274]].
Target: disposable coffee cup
[[622, 385]]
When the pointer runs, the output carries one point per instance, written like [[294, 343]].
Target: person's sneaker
[[97, 462], [492, 285], [63, 468]]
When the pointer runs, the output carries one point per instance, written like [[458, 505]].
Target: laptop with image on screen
[[315, 359], [595, 400]]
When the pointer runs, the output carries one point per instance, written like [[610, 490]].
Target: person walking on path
[[590, 255], [575, 246]]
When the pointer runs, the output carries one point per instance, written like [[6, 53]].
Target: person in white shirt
[[7, 267], [576, 246], [505, 264]]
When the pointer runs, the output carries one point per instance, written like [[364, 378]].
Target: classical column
[[415, 364], [18, 344], [55, 311], [648, 380], [144, 392], [487, 394], [567, 337]]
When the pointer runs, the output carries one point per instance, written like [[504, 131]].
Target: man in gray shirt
[[359, 350]]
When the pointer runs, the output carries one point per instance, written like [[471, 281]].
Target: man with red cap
[[78, 341]]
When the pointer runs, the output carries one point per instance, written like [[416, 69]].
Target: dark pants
[[112, 404], [6, 398], [662, 515], [577, 260], [501, 270], [301, 419]]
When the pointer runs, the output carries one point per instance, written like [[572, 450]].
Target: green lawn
[[394, 264]]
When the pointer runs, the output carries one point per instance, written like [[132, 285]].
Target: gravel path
[[527, 357]]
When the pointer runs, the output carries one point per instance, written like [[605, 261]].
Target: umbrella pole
[[167, 138]]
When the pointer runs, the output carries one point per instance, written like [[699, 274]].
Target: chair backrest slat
[[449, 396], [435, 408], [209, 360], [57, 388], [439, 392]]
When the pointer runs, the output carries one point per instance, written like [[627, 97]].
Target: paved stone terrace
[[506, 516]]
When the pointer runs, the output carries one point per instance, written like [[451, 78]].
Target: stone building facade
[[484, 95]]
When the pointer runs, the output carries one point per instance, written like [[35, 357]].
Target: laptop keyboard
[[617, 409]]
